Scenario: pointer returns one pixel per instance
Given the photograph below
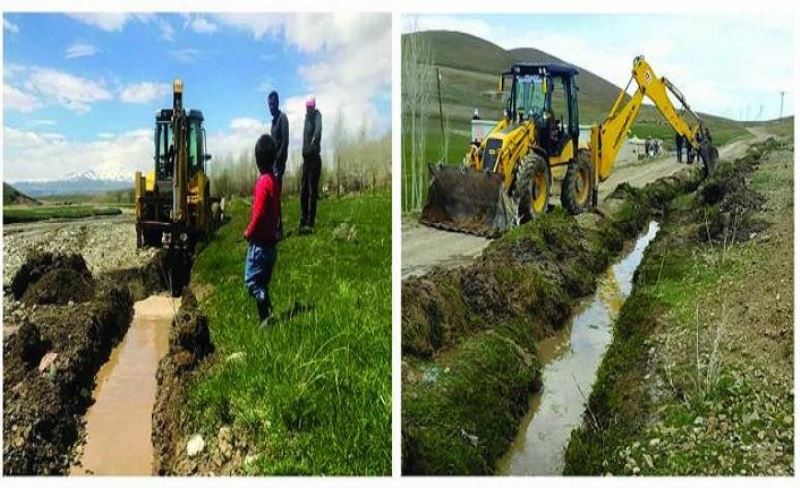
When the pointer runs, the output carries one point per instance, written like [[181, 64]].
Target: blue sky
[[728, 65], [80, 90]]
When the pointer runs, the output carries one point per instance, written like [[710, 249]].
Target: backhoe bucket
[[464, 200], [710, 156]]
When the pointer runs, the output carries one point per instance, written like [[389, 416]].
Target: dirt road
[[425, 247], [106, 243]]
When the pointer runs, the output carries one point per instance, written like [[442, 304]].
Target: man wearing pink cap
[[312, 166]]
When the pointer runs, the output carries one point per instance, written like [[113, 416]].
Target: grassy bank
[[17, 214], [312, 394], [698, 379], [469, 334]]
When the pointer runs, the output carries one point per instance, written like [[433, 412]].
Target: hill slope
[[12, 196], [470, 67]]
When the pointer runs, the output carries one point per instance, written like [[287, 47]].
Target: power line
[[781, 112]]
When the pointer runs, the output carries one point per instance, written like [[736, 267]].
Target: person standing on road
[[262, 231], [312, 166], [279, 131], [679, 146]]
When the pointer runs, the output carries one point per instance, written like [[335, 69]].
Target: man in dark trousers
[[312, 166], [280, 136], [679, 146]]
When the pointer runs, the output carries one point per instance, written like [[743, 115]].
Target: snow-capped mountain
[[113, 174], [83, 182]]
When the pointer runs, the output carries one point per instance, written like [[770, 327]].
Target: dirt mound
[[145, 280], [44, 401], [727, 206], [60, 286], [38, 264], [189, 343]]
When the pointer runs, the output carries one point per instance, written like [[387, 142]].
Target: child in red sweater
[[262, 231]]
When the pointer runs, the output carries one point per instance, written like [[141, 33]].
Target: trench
[[570, 360], [119, 422]]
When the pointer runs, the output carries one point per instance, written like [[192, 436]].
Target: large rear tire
[[577, 189], [532, 188]]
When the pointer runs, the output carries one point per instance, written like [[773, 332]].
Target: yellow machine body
[[506, 176], [174, 207]]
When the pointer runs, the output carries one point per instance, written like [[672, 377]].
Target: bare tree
[[417, 76]]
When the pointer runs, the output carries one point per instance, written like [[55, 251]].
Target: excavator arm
[[607, 138]]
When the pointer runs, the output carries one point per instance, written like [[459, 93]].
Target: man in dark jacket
[[312, 166], [279, 132], [679, 147]]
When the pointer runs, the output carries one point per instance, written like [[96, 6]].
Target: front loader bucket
[[464, 200]]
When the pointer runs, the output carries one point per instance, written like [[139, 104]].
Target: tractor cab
[[165, 145], [546, 95]]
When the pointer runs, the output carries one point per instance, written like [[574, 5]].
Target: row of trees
[[357, 162]]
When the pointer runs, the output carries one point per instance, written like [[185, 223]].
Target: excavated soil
[[189, 344], [49, 368], [728, 208], [60, 325]]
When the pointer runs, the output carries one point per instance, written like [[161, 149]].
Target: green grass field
[[313, 392], [17, 214]]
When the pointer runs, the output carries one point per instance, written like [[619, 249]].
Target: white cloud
[[144, 92], [259, 25], [74, 92], [349, 70], [200, 24], [42, 122], [115, 22], [107, 21], [10, 26], [167, 31], [30, 155], [266, 86], [80, 49], [185, 56], [16, 99]]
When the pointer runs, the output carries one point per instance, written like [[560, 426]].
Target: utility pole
[[781, 112]]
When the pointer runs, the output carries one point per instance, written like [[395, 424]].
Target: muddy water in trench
[[119, 424], [570, 360]]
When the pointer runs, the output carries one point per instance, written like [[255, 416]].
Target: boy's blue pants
[[258, 271]]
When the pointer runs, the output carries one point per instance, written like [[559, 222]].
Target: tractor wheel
[[578, 186], [532, 189]]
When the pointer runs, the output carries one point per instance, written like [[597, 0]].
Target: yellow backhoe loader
[[507, 173], [174, 206]]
